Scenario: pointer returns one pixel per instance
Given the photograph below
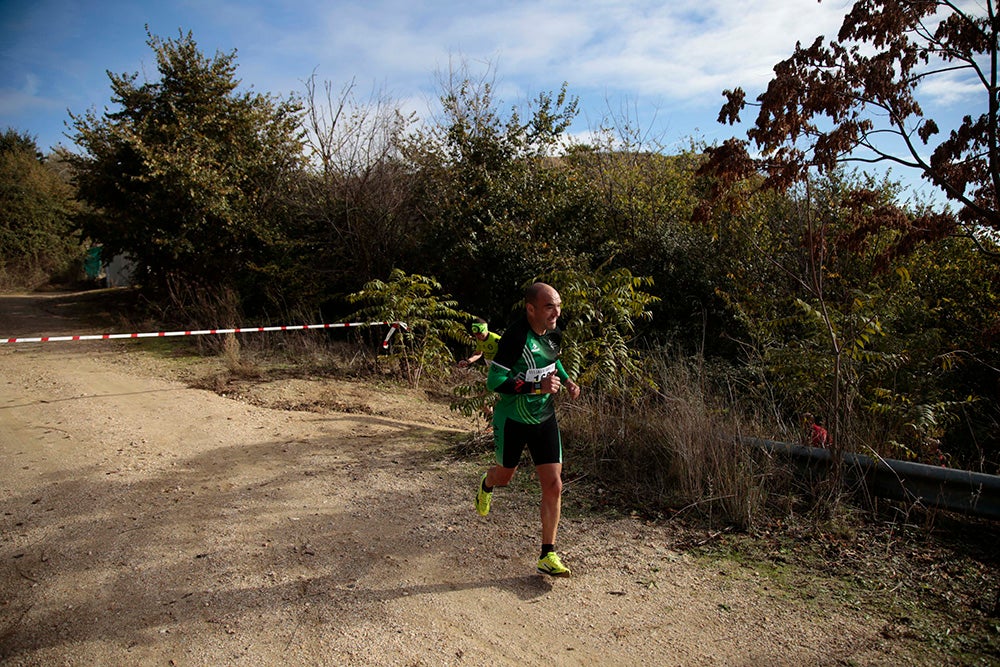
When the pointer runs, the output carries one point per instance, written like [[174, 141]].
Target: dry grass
[[675, 450]]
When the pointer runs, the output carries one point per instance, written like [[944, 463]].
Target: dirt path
[[145, 522]]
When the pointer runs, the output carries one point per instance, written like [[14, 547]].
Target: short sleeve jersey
[[488, 346], [522, 360]]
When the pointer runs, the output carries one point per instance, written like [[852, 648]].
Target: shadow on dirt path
[[146, 522]]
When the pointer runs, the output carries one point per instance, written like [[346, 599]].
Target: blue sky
[[663, 65]]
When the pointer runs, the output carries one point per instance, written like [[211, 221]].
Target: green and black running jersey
[[523, 359]]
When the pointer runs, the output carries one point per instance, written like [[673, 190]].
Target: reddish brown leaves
[[854, 99]]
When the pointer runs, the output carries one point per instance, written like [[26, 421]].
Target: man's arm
[[552, 384], [471, 360], [572, 387], [501, 380]]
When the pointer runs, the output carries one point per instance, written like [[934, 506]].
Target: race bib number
[[536, 375]]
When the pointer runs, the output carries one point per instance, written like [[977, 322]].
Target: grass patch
[[931, 588]]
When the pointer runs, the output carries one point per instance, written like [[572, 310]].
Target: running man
[[526, 373], [486, 344]]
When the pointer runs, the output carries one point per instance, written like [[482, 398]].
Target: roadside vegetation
[[707, 295]]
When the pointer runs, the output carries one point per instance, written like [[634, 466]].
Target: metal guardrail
[[972, 493]]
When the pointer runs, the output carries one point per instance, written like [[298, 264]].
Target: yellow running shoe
[[483, 498], [552, 566]]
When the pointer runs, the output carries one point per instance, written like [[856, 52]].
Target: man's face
[[543, 314]]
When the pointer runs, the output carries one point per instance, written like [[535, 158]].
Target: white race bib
[[538, 374]]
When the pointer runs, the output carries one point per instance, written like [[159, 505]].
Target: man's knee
[[550, 479]]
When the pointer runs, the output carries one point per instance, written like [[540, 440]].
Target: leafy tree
[[896, 358], [644, 203], [36, 211], [12, 141], [857, 98], [952, 329], [431, 321], [188, 175], [603, 308], [497, 208]]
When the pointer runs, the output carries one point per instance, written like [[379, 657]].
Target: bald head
[[535, 291], [543, 306]]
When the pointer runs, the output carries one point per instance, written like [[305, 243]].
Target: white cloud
[[25, 97], [947, 90], [683, 51], [687, 50], [625, 57]]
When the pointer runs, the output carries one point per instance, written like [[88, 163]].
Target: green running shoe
[[552, 566], [483, 498]]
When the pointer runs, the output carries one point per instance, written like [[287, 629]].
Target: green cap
[[479, 327]]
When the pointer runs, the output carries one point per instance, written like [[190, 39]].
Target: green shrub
[[421, 347]]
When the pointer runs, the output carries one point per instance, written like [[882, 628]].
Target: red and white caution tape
[[393, 326]]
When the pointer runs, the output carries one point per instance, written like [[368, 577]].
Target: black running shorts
[[543, 440]]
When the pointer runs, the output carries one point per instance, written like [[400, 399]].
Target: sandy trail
[[145, 522]]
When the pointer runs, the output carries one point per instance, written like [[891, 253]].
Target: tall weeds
[[676, 448]]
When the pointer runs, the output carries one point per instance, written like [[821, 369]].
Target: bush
[[36, 208], [421, 348]]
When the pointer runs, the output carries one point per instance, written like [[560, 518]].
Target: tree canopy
[[858, 98], [36, 209], [186, 175], [494, 203]]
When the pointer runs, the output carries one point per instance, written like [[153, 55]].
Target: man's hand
[[550, 384], [574, 389]]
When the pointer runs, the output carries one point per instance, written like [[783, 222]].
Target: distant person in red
[[816, 435]]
